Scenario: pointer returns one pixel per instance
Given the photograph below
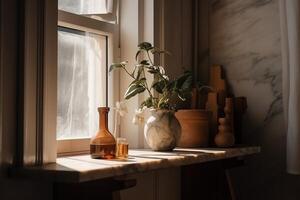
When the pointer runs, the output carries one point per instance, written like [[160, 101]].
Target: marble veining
[[239, 6], [145, 160], [84, 168], [162, 130], [245, 39]]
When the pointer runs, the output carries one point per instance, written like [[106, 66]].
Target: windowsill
[[82, 168]]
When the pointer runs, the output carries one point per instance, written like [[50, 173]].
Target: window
[[103, 10], [84, 48], [81, 82], [84, 7]]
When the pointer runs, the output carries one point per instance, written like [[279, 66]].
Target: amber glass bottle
[[103, 144]]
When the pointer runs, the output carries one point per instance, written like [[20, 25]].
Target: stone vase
[[162, 130]]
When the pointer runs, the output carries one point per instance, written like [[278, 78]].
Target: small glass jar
[[122, 148]]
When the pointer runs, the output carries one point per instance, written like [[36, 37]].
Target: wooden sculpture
[[212, 105], [229, 113], [218, 82], [225, 137], [216, 100]]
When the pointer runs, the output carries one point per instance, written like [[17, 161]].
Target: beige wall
[[245, 38], [186, 37], [178, 35], [137, 25]]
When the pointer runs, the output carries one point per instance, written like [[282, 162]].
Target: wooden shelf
[[75, 169]]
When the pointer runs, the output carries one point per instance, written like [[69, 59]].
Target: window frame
[[66, 147]]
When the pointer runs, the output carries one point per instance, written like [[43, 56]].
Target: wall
[[245, 38], [186, 37], [137, 22], [178, 17], [10, 67]]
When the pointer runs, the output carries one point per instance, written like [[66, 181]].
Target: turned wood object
[[229, 113], [216, 100], [219, 104], [225, 137], [212, 105], [218, 82]]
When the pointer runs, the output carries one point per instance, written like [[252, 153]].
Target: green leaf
[[136, 87], [171, 85], [133, 90], [152, 71], [181, 97], [137, 54], [139, 81], [159, 86], [148, 103], [163, 103], [185, 81], [139, 73], [145, 62], [158, 51], [187, 84], [145, 46], [115, 66]]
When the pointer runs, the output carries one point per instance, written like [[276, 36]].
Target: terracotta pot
[[195, 127]]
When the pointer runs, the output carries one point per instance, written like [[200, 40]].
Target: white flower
[[161, 70], [121, 108], [138, 117]]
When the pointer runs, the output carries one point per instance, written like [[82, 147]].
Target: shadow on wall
[[244, 36]]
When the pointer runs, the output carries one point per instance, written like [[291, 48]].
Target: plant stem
[[128, 73], [146, 84], [133, 72], [149, 58]]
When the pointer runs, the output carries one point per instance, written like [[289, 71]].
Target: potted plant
[[195, 121], [162, 130], [194, 117]]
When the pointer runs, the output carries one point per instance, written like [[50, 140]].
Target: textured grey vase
[[162, 130]]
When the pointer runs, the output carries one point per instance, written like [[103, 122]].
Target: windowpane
[[81, 82], [86, 7]]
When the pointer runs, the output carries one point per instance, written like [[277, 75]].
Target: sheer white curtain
[[290, 37], [81, 83], [86, 7]]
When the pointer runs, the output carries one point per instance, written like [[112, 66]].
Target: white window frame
[[36, 138], [69, 20]]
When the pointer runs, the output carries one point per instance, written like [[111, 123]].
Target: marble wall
[[244, 36]]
